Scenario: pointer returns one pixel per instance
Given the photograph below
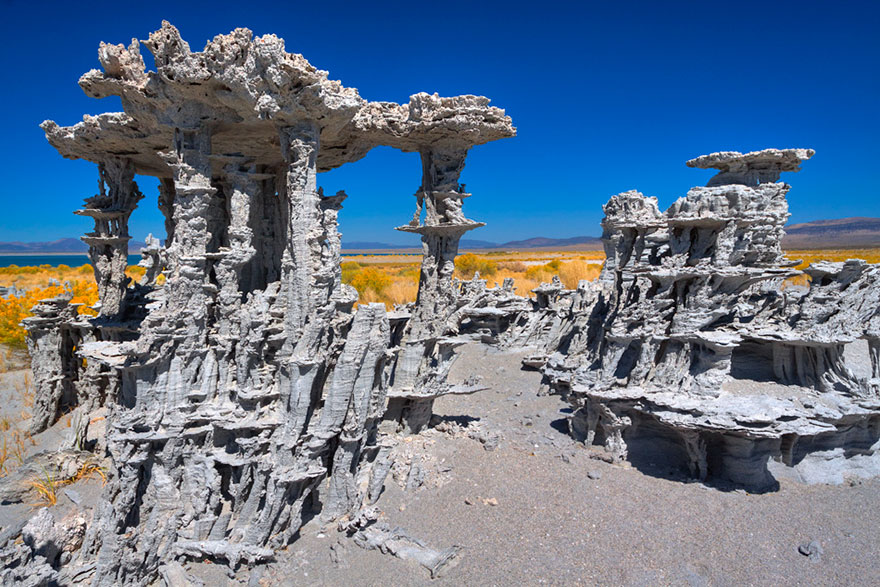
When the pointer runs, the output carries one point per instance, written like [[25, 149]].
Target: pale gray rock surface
[[751, 168], [693, 347], [247, 383]]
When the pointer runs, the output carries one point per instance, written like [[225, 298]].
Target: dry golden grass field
[[391, 279], [40, 282], [394, 279]]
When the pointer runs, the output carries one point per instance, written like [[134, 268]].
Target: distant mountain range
[[842, 233], [70, 246], [581, 243]]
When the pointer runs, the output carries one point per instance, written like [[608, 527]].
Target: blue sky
[[606, 97]]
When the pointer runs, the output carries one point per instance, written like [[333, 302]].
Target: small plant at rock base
[[4, 455], [46, 488], [18, 447], [88, 470], [12, 448]]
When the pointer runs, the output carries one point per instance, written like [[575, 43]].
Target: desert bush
[[370, 279], [466, 265], [135, 271], [39, 276], [16, 308], [538, 273], [85, 293], [515, 266], [349, 269], [413, 273], [16, 270], [572, 272]]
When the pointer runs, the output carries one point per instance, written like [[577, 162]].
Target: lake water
[[53, 260], [77, 260]]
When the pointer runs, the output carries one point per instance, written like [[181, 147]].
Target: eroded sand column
[[108, 244], [420, 373], [246, 378], [299, 148]]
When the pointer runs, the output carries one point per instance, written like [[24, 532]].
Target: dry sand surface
[[564, 517], [542, 509]]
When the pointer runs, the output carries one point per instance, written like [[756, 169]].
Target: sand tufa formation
[[248, 379], [246, 394], [699, 344]]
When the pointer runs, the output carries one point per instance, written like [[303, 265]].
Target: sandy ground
[[16, 401], [562, 516], [565, 517]]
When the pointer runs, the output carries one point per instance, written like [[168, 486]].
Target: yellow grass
[[390, 283], [35, 281], [12, 449], [391, 280], [807, 256], [13, 440], [39, 276], [46, 485], [394, 279], [528, 275]]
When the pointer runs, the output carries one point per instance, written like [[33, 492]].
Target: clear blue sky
[[606, 97]]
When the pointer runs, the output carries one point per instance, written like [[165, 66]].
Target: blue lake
[[53, 260]]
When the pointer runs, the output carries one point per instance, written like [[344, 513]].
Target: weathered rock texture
[[247, 380], [246, 393], [695, 345]]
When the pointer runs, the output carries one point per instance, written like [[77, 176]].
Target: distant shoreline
[[52, 259], [53, 254]]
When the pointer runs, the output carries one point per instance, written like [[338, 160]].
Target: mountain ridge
[[842, 233], [851, 232], [70, 246]]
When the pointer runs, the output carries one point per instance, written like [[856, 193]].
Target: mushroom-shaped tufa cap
[[751, 168]]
